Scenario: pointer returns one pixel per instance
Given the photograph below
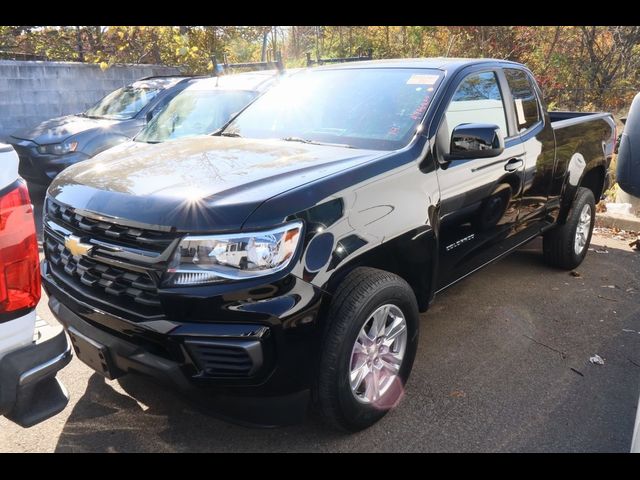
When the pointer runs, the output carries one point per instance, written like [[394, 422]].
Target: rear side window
[[524, 98]]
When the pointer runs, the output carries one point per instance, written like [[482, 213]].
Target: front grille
[[111, 232], [111, 283], [101, 279], [229, 358]]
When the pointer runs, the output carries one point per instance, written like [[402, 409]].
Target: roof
[[439, 63]]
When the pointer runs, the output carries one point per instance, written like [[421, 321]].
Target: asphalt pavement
[[503, 365]]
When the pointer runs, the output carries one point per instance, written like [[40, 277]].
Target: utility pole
[[79, 44], [265, 35]]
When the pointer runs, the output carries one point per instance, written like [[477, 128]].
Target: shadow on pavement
[[152, 418]]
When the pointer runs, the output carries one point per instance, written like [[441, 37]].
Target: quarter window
[[524, 98]]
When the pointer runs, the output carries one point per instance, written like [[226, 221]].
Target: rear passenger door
[[533, 128], [479, 197]]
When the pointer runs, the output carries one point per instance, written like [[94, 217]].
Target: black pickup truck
[[285, 262]]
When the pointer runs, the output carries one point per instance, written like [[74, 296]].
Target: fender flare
[[576, 171]]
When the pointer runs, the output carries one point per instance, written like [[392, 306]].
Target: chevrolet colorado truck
[[31, 352], [285, 263]]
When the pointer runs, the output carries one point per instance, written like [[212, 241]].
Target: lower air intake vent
[[226, 358]]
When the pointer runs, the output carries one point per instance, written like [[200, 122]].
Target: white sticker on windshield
[[422, 79], [520, 112]]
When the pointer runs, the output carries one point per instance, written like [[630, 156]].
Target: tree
[[612, 54]]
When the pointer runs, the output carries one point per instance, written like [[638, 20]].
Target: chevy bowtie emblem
[[76, 247]]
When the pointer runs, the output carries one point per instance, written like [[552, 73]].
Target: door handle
[[514, 164]]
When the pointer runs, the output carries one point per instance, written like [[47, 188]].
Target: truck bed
[[561, 119]]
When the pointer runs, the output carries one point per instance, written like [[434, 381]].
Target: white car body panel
[[17, 333], [8, 165]]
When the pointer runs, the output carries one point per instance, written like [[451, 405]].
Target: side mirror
[[475, 140], [149, 115]]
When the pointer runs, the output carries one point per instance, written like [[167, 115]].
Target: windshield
[[123, 103], [196, 112], [363, 108]]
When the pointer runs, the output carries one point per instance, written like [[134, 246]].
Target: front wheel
[[368, 350], [566, 246]]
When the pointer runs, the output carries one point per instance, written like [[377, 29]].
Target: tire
[[363, 292], [559, 244]]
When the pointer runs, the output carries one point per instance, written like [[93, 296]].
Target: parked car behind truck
[[358, 192], [31, 352], [206, 105], [48, 148]]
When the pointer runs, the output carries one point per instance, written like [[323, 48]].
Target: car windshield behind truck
[[195, 112], [122, 104], [369, 108]]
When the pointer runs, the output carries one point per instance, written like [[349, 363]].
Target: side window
[[524, 98], [476, 100]]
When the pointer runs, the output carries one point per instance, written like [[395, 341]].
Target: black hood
[[197, 184], [59, 129]]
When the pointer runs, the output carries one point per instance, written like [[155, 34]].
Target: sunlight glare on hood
[[195, 194]]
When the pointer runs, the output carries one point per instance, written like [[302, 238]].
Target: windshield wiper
[[230, 134], [313, 142]]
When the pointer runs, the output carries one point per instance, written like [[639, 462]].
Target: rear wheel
[[368, 350], [566, 245]]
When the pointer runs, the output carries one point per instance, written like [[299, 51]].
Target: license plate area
[[93, 354]]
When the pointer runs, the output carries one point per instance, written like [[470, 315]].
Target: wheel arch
[[594, 180], [412, 256], [591, 176]]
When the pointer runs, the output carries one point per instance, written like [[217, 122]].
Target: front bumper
[[38, 168], [29, 389], [231, 404], [267, 357]]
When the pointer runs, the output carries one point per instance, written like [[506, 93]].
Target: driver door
[[479, 197]]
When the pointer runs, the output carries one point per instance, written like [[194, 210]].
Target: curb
[[628, 223]]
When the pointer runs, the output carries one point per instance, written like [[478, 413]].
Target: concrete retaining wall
[[31, 92]]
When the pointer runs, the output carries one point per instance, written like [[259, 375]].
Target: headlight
[[223, 258], [58, 148]]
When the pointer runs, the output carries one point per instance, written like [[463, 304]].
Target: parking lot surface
[[503, 365]]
